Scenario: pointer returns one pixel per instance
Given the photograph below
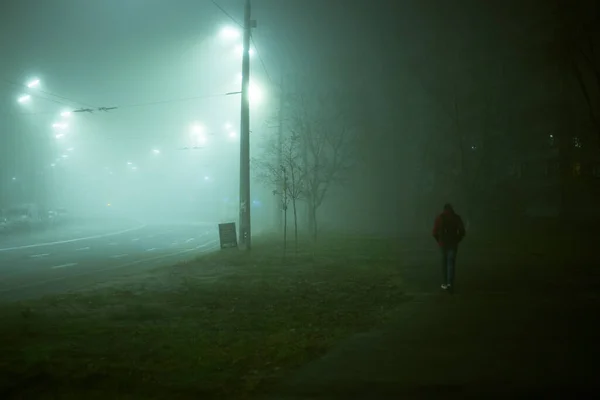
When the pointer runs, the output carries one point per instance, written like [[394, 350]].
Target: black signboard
[[227, 235]]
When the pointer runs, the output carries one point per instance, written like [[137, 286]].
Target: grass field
[[227, 325]]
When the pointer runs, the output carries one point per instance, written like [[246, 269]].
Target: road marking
[[29, 246], [189, 240], [118, 255], [39, 255], [83, 248], [61, 278], [152, 249], [64, 265], [135, 240]]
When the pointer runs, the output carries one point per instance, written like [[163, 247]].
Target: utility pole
[[280, 198], [245, 202]]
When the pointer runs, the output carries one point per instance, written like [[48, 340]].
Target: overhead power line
[[262, 62], [35, 93], [228, 14]]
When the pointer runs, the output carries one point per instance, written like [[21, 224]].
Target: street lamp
[[229, 32], [60, 125], [240, 50], [33, 83], [24, 98], [255, 93]]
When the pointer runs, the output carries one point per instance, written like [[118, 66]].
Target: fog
[[133, 109]]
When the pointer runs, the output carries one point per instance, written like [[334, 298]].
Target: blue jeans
[[448, 264]]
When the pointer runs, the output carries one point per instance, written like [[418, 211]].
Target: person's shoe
[[444, 286]]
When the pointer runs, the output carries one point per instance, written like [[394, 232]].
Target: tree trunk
[[313, 220], [295, 224], [284, 228]]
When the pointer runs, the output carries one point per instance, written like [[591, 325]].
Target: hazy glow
[[60, 125], [197, 128], [232, 135], [33, 83], [70, 149], [129, 163], [65, 114], [228, 125], [156, 151], [240, 50], [59, 135], [24, 98], [256, 94], [230, 32]]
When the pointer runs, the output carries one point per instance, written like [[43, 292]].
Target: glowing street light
[[240, 50], [156, 151], [228, 126], [60, 125], [206, 178], [65, 114], [229, 32], [24, 98], [129, 163], [53, 165], [70, 149], [197, 129], [59, 135], [232, 135], [256, 94], [33, 83]]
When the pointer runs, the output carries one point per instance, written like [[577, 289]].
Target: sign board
[[227, 235]]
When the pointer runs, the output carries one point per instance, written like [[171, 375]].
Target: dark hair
[[448, 207]]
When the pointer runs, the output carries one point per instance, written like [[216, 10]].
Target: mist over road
[[80, 255]]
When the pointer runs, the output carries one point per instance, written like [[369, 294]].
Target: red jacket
[[442, 236]]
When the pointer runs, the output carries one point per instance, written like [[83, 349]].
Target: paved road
[[72, 258]]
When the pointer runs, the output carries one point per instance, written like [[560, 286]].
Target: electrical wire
[[159, 102], [227, 14], [78, 103], [262, 62]]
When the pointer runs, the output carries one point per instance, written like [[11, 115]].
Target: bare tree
[[284, 174], [326, 126]]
